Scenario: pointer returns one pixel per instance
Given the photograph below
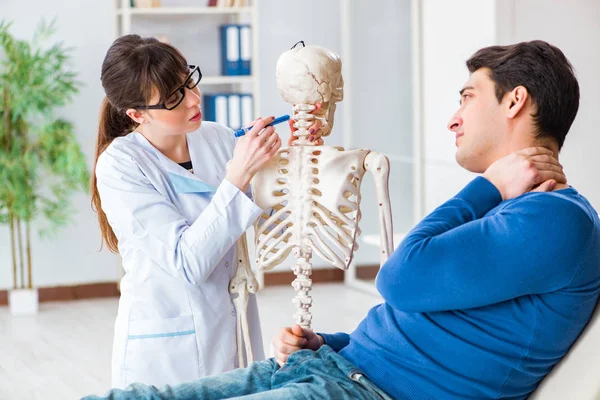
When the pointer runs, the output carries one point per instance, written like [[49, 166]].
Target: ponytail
[[113, 124]]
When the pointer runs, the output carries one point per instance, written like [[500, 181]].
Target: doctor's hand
[[252, 151], [530, 169], [314, 130], [289, 340]]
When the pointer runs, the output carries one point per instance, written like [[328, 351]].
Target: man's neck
[[524, 144], [522, 134]]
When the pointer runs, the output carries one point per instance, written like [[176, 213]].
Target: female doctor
[[170, 192]]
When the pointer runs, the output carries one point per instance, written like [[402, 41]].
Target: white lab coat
[[177, 232]]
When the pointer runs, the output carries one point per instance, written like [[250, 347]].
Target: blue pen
[[276, 121]]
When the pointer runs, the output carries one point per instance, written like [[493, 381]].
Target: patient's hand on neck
[[526, 170]]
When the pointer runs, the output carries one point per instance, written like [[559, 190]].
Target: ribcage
[[311, 195]]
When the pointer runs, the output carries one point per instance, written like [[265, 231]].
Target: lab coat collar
[[183, 181]]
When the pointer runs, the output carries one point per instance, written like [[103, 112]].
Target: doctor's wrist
[[239, 180]]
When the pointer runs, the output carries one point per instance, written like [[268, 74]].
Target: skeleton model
[[312, 192]]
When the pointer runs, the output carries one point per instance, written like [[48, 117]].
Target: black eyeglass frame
[[181, 89]]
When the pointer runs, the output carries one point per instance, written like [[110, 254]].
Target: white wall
[[72, 256], [379, 101], [451, 32]]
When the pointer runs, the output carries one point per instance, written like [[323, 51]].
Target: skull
[[309, 75]]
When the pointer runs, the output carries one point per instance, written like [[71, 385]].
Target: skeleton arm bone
[[379, 166], [242, 284]]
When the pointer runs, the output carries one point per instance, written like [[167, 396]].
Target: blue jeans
[[323, 374]]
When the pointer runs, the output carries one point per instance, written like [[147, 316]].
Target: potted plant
[[41, 163]]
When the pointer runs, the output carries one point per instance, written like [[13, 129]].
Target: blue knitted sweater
[[482, 298]]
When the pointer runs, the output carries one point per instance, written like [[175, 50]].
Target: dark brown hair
[[132, 69], [546, 74]]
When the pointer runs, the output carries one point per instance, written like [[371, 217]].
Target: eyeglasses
[[175, 98]]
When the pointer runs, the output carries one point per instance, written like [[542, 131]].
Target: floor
[[64, 351]]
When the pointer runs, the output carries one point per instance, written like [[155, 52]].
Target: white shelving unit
[[131, 19], [186, 10]]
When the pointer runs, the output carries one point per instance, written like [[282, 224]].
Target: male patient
[[488, 292]]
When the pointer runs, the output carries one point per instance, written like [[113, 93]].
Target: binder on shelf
[[236, 49], [247, 109], [234, 110], [208, 107], [245, 49], [215, 108], [228, 3], [230, 49], [221, 116]]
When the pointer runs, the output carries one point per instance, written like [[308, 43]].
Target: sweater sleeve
[[337, 341], [458, 258]]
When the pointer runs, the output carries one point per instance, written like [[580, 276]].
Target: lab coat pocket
[[163, 351]]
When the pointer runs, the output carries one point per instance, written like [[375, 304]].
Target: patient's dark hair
[[546, 74], [132, 68]]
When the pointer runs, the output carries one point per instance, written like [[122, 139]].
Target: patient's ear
[[516, 100]]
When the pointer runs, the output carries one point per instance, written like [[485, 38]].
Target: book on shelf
[[245, 49], [228, 3], [145, 3]]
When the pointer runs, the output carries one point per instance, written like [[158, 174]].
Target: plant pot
[[23, 301]]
